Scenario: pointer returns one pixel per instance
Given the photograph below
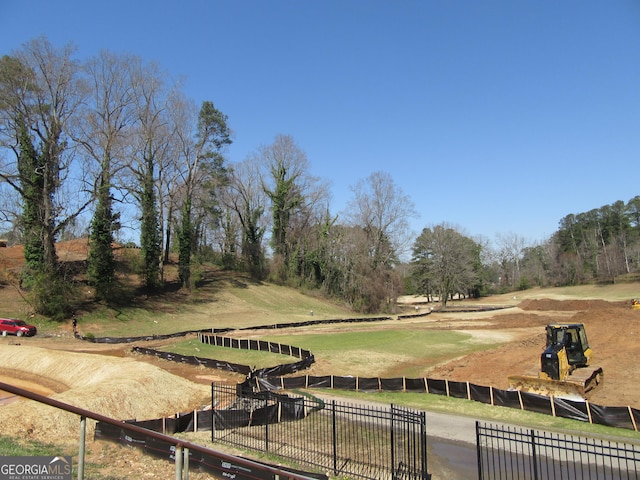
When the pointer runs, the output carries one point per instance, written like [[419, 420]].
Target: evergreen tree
[[150, 231], [185, 240], [101, 268], [444, 263], [284, 199], [252, 250], [107, 126], [204, 173]]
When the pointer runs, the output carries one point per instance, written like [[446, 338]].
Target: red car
[[16, 327]]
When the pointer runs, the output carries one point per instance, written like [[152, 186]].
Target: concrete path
[[451, 446]]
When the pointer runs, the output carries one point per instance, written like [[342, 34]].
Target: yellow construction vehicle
[[635, 304], [565, 365]]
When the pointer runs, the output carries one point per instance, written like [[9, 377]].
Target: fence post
[[83, 440], [423, 442], [478, 450], [185, 474], [178, 458], [534, 455], [393, 445], [335, 437], [213, 409], [266, 428], [633, 420]]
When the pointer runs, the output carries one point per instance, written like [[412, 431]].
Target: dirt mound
[[120, 388], [545, 304]]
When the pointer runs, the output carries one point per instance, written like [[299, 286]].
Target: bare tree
[[245, 197], [510, 252], [150, 146], [40, 92], [381, 208], [286, 165], [377, 233], [296, 198], [104, 130]]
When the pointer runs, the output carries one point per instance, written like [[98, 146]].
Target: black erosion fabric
[[571, 409]]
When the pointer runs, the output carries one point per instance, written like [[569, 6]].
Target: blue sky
[[498, 117]]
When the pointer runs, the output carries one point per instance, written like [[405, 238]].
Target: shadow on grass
[[170, 297]]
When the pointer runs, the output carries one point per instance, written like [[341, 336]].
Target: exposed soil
[[613, 330]]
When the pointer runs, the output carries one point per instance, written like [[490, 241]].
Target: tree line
[[601, 245], [115, 134]]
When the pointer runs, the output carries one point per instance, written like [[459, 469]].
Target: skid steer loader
[[565, 365]]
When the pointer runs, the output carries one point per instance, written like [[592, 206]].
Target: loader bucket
[[579, 384]]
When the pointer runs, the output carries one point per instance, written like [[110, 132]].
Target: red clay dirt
[[613, 330]]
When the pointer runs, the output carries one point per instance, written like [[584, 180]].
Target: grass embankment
[[193, 347], [227, 300]]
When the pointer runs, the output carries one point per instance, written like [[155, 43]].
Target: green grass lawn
[[10, 447], [250, 358], [383, 353]]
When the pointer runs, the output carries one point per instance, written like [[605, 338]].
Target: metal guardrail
[[182, 447]]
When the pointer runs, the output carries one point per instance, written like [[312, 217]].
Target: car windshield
[[19, 322]]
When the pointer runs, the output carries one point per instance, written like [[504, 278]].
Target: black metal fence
[[516, 453], [349, 440]]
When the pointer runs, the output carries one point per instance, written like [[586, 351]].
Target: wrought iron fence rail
[[316, 451], [552, 442], [352, 440], [505, 452], [355, 468]]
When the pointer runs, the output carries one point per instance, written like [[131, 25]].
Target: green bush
[[51, 296]]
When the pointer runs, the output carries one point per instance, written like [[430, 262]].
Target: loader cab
[[573, 338]]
